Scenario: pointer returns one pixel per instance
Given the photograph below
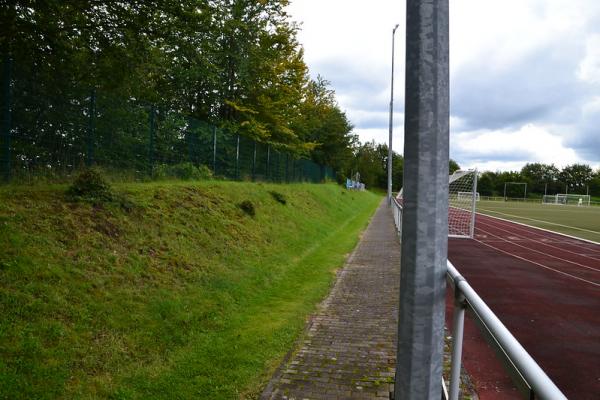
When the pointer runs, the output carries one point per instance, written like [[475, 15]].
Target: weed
[[90, 185], [279, 197], [248, 207]]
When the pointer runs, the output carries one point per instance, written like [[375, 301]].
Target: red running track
[[545, 288]]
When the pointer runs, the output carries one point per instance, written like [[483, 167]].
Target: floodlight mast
[[390, 152], [425, 216]]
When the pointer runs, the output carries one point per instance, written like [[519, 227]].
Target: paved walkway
[[349, 351]]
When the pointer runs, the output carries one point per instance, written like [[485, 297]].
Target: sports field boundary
[[542, 229]]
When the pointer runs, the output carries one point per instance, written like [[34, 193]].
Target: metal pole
[[504, 191], [525, 194], [457, 342], [390, 152], [425, 213], [6, 114], [545, 188]]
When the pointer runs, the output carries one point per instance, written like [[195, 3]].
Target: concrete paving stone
[[349, 350]]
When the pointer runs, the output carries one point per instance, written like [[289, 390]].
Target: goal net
[[468, 196], [462, 197], [567, 199]]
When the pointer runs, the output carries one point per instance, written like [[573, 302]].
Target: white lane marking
[[538, 264]]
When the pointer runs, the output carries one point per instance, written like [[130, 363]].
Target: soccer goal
[[564, 199], [462, 199], [467, 195]]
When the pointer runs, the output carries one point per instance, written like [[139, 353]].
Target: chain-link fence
[[49, 134]]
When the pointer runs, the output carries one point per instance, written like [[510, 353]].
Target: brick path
[[349, 351]]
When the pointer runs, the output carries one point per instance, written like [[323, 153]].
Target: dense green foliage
[[540, 179], [182, 295], [130, 84]]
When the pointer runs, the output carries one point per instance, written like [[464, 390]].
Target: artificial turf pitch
[[579, 221]]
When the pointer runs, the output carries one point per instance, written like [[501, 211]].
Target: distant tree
[[486, 183], [577, 177], [540, 177], [453, 166], [595, 184]]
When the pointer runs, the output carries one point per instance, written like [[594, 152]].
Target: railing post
[[457, 339], [425, 204]]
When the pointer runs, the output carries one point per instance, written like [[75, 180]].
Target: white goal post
[[564, 199], [461, 203], [462, 198]]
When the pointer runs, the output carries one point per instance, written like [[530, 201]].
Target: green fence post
[[151, 133], [287, 162], [268, 161], [6, 114], [254, 163], [214, 129], [89, 159], [237, 158]]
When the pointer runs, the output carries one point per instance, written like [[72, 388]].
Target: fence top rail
[[536, 378]]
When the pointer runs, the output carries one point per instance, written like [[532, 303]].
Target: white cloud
[[523, 74], [511, 149], [589, 68]]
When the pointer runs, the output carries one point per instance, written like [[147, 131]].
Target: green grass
[[583, 222], [182, 296]]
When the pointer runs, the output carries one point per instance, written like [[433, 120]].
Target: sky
[[524, 75]]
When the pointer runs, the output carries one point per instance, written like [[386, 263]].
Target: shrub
[[90, 185], [248, 207], [279, 197], [183, 171]]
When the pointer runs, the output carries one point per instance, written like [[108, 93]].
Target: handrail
[[526, 373]]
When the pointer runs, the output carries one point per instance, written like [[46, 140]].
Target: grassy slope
[[184, 296], [583, 222]]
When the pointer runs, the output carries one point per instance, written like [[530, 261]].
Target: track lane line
[[541, 220], [538, 264], [541, 252], [582, 248], [527, 240]]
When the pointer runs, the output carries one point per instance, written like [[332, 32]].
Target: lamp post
[[390, 152]]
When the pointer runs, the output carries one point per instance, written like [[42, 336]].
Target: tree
[[541, 178], [577, 177], [453, 166]]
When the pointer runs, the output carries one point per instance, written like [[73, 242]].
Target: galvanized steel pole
[[425, 219], [390, 152]]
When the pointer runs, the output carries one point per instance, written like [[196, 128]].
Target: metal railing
[[527, 375]]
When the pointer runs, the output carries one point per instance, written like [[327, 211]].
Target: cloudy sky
[[525, 75]]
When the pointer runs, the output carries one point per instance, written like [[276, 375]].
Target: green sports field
[[583, 222]]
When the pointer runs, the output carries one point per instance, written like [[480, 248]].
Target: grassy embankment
[[178, 295]]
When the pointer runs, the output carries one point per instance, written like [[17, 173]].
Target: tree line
[[235, 64], [541, 179]]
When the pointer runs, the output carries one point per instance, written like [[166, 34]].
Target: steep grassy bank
[[177, 294]]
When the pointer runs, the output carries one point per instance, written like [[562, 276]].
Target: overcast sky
[[525, 75]]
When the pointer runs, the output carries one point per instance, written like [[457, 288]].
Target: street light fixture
[[390, 152]]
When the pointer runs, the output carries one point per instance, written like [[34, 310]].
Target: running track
[[545, 288]]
